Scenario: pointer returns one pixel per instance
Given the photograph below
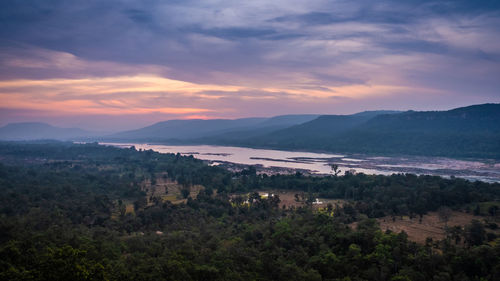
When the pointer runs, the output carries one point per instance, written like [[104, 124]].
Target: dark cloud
[[236, 33], [139, 16], [155, 32], [310, 45], [422, 46], [363, 15], [391, 11], [337, 80]]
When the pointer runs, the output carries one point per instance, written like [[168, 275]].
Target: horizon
[[205, 119], [122, 65]]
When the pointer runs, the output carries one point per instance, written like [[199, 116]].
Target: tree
[[444, 214], [274, 200], [335, 169], [208, 191], [455, 233], [185, 193], [493, 210], [296, 196], [477, 210], [475, 233], [123, 210], [140, 203]]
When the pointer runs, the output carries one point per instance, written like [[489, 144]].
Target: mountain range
[[40, 131], [182, 130], [472, 131]]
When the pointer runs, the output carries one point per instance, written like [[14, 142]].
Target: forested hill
[[325, 125], [184, 130], [472, 131], [474, 119]]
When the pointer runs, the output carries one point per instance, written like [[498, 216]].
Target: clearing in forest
[[431, 225], [168, 190]]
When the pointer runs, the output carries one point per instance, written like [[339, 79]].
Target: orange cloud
[[143, 94], [101, 95], [89, 107]]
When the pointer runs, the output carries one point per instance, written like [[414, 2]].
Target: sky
[[121, 64]]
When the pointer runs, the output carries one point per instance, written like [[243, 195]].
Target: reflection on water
[[487, 170]]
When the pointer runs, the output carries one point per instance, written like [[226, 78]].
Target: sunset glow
[[178, 60]]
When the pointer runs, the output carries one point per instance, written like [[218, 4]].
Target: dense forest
[[64, 215]]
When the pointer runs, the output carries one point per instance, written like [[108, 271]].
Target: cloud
[[225, 58], [22, 61], [235, 33]]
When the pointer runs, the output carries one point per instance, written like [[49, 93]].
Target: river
[[320, 163]]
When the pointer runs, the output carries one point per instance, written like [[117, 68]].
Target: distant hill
[[320, 127], [235, 136], [287, 120], [38, 131], [373, 113], [184, 129], [472, 131], [326, 125], [476, 118], [196, 129]]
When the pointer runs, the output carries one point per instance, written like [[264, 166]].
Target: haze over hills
[[273, 136], [472, 131], [183, 129], [162, 131], [324, 125], [197, 128], [37, 131]]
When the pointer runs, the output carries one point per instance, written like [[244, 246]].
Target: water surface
[[320, 163]]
